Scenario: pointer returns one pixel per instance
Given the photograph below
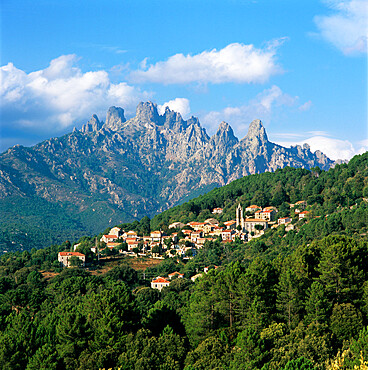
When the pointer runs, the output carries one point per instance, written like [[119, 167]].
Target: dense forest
[[286, 300]]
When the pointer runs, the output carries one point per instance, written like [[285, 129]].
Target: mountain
[[121, 170]]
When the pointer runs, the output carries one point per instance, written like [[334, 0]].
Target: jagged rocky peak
[[147, 112], [173, 120], [225, 134], [257, 131], [93, 124], [193, 121], [114, 118]]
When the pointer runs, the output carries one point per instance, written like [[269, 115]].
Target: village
[[184, 240]]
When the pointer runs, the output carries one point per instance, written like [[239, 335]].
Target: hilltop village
[[184, 240]]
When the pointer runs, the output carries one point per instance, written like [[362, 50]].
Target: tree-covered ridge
[[326, 191], [286, 300]]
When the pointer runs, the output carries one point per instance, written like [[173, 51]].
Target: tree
[[44, 358], [168, 243], [249, 351], [288, 298], [342, 267], [124, 273], [259, 227], [316, 306], [74, 261], [35, 279], [146, 298], [156, 249], [208, 355], [346, 321], [300, 363]]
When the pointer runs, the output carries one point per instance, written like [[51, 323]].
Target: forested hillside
[[286, 300], [325, 192]]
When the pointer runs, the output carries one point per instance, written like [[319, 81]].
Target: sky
[[299, 66]]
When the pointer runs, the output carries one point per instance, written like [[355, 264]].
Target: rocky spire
[[225, 135], [147, 112], [93, 124], [257, 131], [173, 120], [114, 118]]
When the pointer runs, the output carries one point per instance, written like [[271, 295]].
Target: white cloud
[[236, 62], [60, 95], [332, 147], [260, 107], [180, 105], [306, 106], [347, 27]]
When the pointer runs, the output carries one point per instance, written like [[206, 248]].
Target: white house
[[64, 258], [116, 231], [250, 223], [159, 283]]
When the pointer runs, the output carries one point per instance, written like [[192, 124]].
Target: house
[[132, 244], [270, 208], [130, 235], [194, 236], [299, 206], [187, 232], [175, 274], [112, 245], [217, 211], [64, 258], [176, 225], [303, 214], [116, 231], [227, 235], [217, 231], [159, 283], [267, 214], [208, 228], [250, 223], [156, 236], [197, 226], [108, 238], [174, 238], [211, 221], [200, 242], [252, 208], [195, 277], [230, 224], [283, 220], [206, 269]]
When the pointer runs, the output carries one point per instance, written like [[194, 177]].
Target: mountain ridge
[[141, 166]]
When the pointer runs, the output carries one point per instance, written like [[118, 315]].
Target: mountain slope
[[120, 170]]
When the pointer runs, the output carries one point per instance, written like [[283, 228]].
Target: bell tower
[[239, 217]]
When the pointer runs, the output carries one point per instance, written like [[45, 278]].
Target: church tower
[[239, 217]]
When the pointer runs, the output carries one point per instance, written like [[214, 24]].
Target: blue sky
[[300, 67]]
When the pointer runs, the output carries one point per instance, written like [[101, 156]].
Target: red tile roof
[[161, 280], [176, 273], [77, 254]]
